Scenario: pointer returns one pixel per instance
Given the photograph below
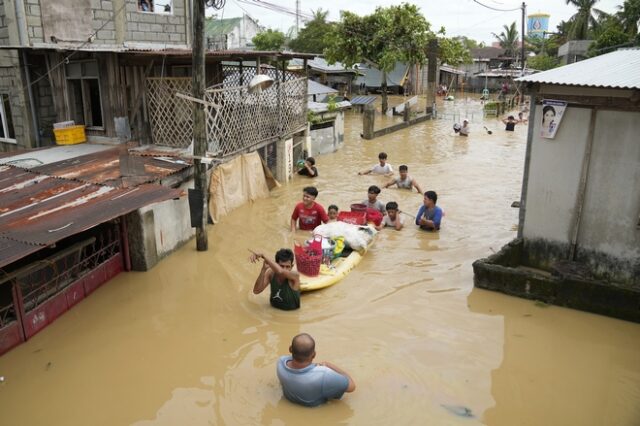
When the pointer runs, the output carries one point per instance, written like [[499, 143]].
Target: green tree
[[542, 62], [311, 38], [629, 16], [270, 40], [453, 51], [584, 20], [609, 35], [508, 40], [389, 35]]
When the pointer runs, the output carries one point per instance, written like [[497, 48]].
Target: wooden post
[[406, 114], [368, 121], [432, 70], [199, 123]]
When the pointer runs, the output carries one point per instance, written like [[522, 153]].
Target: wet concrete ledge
[[568, 284], [395, 127]]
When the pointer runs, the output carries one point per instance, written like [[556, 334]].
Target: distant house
[[371, 78], [231, 33], [336, 76], [579, 228]]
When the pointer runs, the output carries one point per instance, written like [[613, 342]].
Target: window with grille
[[7, 133], [155, 6], [85, 100]]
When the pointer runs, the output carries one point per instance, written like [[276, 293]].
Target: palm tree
[[629, 15], [508, 40], [584, 20]]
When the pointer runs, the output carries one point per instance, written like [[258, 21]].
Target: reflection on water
[[188, 342]]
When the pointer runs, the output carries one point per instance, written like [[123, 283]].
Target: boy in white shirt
[[392, 218], [383, 168]]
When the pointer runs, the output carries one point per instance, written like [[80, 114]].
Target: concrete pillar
[[142, 240], [368, 120], [284, 160], [406, 114]]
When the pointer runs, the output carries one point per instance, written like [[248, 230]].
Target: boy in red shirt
[[308, 213]]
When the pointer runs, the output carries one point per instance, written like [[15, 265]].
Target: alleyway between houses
[[189, 344]]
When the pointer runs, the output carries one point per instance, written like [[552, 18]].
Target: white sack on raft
[[355, 236]]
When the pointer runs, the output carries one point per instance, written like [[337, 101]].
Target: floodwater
[[187, 343]]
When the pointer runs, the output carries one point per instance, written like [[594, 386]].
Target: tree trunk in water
[[385, 104]]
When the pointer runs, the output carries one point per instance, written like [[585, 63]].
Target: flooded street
[[187, 343]]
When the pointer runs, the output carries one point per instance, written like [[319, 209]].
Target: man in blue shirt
[[307, 383], [429, 215]]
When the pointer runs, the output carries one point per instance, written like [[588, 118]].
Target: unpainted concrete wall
[[171, 224], [328, 139], [75, 20], [554, 177], [11, 83], [612, 201]]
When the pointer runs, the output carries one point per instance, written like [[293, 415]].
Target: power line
[[495, 8]]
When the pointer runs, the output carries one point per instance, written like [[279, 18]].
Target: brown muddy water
[[187, 343]]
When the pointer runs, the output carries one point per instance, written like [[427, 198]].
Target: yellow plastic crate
[[70, 135]]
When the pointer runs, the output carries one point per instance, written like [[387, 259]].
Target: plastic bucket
[[358, 207]]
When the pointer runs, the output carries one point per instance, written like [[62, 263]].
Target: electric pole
[[199, 123], [297, 17], [522, 48]]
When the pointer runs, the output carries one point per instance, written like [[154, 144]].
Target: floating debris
[[458, 410], [541, 304]]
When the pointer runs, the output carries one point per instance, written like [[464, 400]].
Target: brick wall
[[156, 27], [34, 20], [4, 30], [140, 26], [10, 83]]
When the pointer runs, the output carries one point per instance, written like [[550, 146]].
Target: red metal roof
[[38, 209]]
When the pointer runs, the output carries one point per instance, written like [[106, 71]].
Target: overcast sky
[[459, 17]]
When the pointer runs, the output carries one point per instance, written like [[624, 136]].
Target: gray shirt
[[378, 205], [312, 385]]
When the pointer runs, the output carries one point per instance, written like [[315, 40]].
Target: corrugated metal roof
[[615, 70], [373, 76], [37, 210], [315, 88], [363, 100], [321, 64], [452, 70], [102, 167]]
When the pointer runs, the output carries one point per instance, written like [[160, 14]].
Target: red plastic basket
[[374, 216], [354, 218], [358, 207], [308, 259]]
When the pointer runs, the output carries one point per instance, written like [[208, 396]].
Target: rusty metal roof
[[615, 70], [37, 210], [105, 168]]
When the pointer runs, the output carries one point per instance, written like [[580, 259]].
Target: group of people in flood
[[510, 123], [303, 381]]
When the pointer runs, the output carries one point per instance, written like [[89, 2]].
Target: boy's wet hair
[[382, 156], [311, 161], [403, 168], [432, 196], [284, 255], [333, 207], [392, 205], [374, 189], [311, 190], [511, 117]]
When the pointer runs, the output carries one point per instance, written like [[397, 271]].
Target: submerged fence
[[236, 119]]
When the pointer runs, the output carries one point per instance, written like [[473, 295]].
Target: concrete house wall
[[241, 35], [607, 221], [61, 24]]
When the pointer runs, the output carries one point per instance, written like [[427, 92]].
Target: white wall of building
[[554, 176], [612, 202]]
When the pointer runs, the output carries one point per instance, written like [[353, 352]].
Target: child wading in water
[[332, 211], [393, 218]]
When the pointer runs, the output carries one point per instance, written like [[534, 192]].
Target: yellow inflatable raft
[[329, 276]]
